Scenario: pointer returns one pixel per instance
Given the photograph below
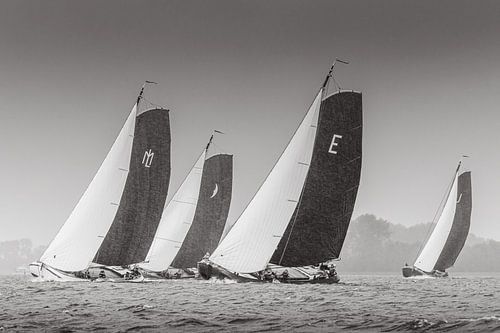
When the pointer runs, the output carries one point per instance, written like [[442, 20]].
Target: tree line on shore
[[372, 245], [376, 245]]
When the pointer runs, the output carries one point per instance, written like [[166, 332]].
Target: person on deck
[[285, 275], [268, 275], [332, 272], [102, 274]]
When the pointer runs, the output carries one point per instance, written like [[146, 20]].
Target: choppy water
[[361, 303]]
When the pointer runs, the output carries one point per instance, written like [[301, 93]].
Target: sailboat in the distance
[[295, 225], [115, 220], [450, 232]]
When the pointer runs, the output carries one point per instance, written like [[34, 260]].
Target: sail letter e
[[334, 143], [148, 158]]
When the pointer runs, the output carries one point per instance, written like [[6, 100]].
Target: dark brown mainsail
[[318, 227], [461, 224], [143, 199], [211, 211]]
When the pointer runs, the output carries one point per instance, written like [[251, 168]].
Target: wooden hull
[[44, 272], [297, 275], [414, 272], [169, 274], [95, 273]]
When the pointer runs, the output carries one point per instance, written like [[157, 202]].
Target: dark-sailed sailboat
[[115, 220], [194, 219], [450, 232], [295, 225]]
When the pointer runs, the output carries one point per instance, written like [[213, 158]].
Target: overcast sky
[[71, 70]]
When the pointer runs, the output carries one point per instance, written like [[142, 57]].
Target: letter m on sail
[[148, 158]]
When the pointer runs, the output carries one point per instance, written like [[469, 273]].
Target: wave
[[364, 303]]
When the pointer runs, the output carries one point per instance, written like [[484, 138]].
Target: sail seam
[[184, 202], [169, 240]]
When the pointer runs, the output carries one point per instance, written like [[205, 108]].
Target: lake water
[[378, 302]]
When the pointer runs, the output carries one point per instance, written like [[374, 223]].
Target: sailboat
[[450, 232], [294, 227], [115, 220], [194, 219]]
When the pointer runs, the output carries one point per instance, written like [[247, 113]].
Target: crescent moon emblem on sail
[[216, 189], [459, 198]]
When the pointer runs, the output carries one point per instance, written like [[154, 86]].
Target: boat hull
[[95, 273], [169, 274], [297, 275], [47, 273], [414, 272]]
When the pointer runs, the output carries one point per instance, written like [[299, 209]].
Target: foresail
[[211, 211], [80, 237], [175, 221], [318, 227], [431, 252], [143, 199], [249, 245]]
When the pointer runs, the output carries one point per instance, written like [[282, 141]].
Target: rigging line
[[216, 149], [141, 93], [210, 141], [440, 207], [330, 76], [153, 104], [336, 83]]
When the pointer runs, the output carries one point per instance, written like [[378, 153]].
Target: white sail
[[175, 221], [80, 237], [252, 240], [434, 246]]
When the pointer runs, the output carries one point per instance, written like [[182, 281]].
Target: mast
[[329, 76], [211, 138], [141, 93]]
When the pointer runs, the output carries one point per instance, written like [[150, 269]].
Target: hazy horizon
[[72, 70]]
